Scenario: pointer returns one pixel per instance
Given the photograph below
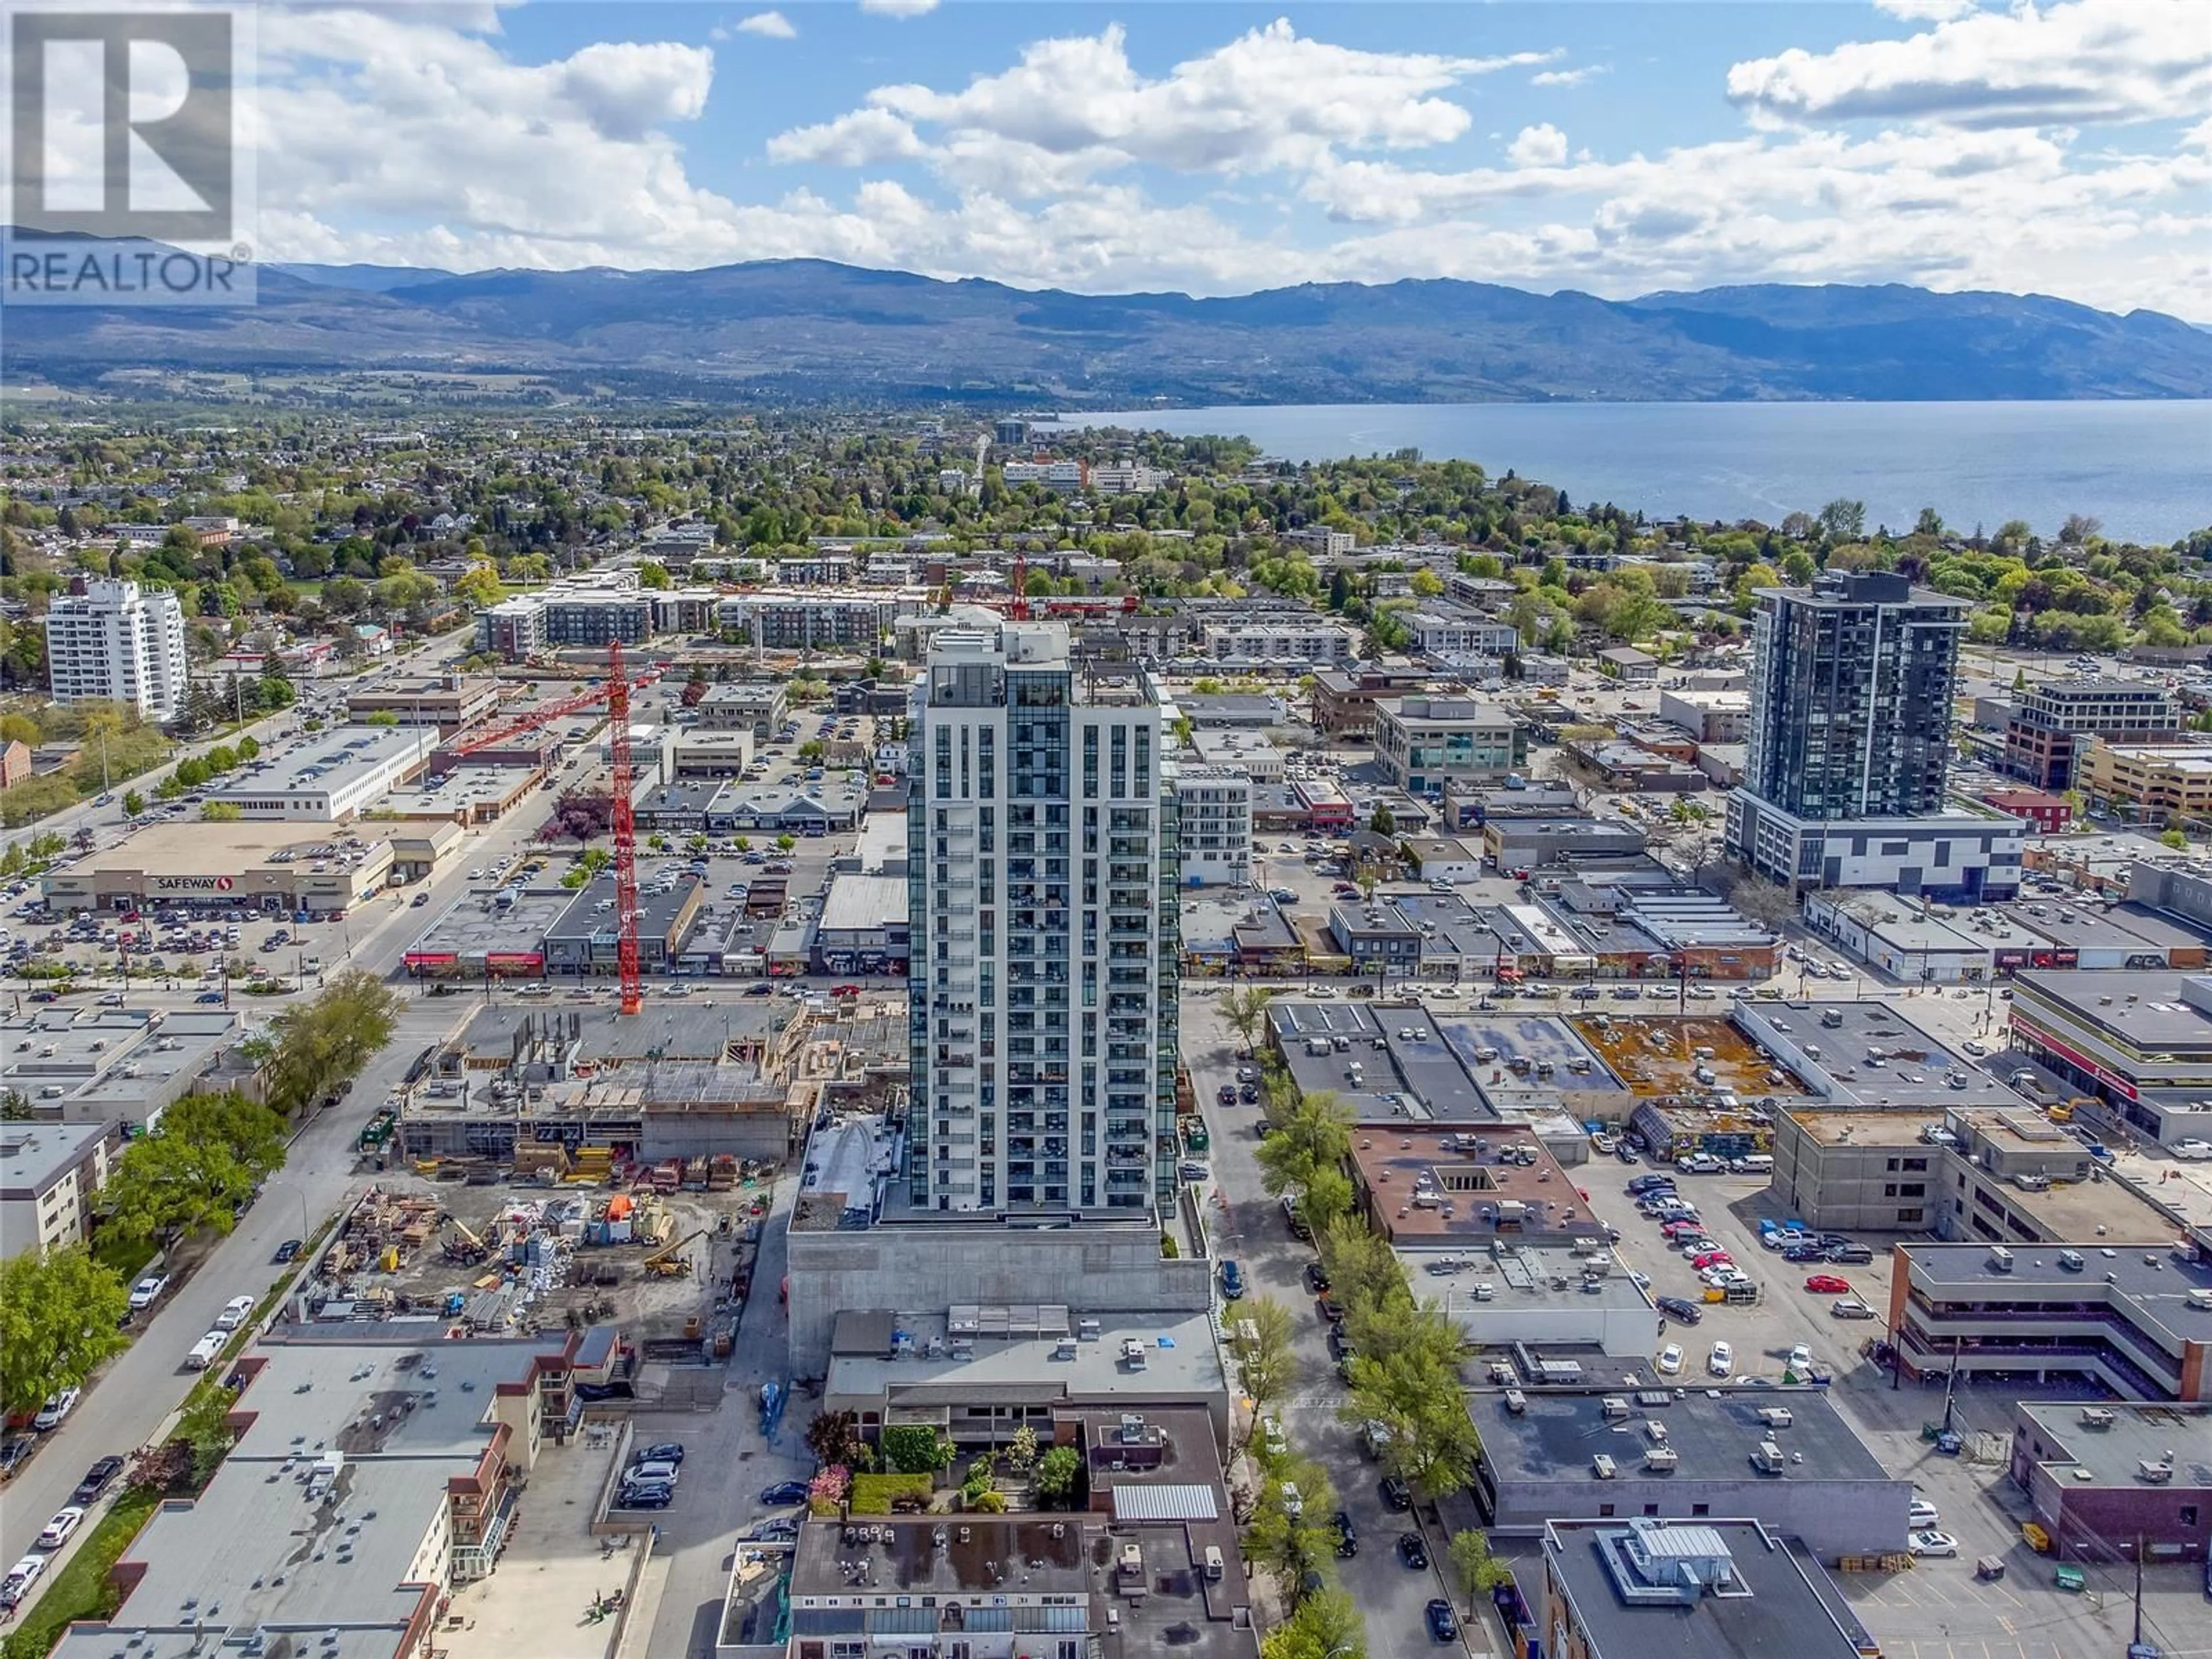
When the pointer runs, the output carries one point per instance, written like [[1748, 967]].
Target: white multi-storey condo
[[1043, 866], [107, 640]]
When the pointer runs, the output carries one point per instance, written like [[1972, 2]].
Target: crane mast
[[625, 831]]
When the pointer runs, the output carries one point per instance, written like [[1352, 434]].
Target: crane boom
[[625, 829], [575, 703]]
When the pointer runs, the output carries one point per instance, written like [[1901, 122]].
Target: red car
[[1829, 1285], [1712, 1258], [844, 990]]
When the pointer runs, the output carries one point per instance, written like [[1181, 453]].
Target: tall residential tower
[[1851, 691], [1042, 871], [107, 640]]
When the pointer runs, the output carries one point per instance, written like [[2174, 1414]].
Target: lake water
[[2144, 469]]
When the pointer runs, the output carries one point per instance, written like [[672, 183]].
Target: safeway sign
[[192, 883]]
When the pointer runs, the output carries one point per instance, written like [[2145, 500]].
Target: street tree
[[1474, 1570], [61, 1315], [1291, 1546], [1267, 1358], [1325, 1625], [322, 1043], [1244, 1008], [198, 1165]]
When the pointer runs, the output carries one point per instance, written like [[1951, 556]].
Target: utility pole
[[1951, 1386]]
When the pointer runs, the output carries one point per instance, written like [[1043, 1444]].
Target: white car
[[19, 1578], [1923, 1515], [2192, 1150], [148, 1291], [1670, 1359], [58, 1406], [65, 1522], [234, 1313], [1800, 1357], [1934, 1543], [1722, 1360]]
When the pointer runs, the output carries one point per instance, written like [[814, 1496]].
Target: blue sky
[[2062, 149]]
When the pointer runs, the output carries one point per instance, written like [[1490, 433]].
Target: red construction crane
[[614, 693], [625, 826], [507, 730]]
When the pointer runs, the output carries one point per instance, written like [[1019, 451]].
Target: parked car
[[19, 1578], [1444, 1625], [650, 1496], [1923, 1515], [1931, 1542], [1412, 1551], [1396, 1494], [97, 1479], [58, 1531], [1722, 1360], [661, 1451], [1233, 1281], [1316, 1278], [148, 1291], [1828, 1284], [1670, 1360], [1347, 1535], [58, 1406], [1676, 1308], [1850, 1307], [286, 1251], [784, 1492]]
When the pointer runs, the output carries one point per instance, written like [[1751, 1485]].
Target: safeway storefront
[[242, 867]]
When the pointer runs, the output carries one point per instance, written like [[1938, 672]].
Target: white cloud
[[900, 10], [2088, 61], [409, 135], [1573, 77], [1267, 100], [774, 25], [1542, 146], [1926, 11]]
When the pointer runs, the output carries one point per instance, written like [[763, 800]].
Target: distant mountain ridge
[[803, 328]]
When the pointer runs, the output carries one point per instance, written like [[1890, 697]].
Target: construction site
[[667, 1262], [1699, 1084], [674, 1097]]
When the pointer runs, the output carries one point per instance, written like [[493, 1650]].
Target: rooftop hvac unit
[[1603, 1466], [1661, 1457]]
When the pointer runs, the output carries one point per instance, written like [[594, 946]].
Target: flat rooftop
[[1874, 1057], [328, 759], [673, 1029], [32, 1154], [1656, 1055], [591, 912], [1784, 1613], [193, 847], [2150, 1279], [1832, 1128], [2138, 1433], [865, 903], [1382, 1092], [472, 925], [2139, 1008], [974, 1355], [1712, 1431], [1520, 1277], [463, 789], [1432, 1184]]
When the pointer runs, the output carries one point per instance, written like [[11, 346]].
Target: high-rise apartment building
[[109, 640], [1850, 697], [1850, 742], [1043, 868]]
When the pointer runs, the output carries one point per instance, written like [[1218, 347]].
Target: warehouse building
[[2104, 1477], [1781, 1456], [337, 775]]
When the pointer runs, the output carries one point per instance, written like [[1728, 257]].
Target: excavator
[[669, 1260]]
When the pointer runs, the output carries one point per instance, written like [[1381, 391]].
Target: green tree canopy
[[60, 1316]]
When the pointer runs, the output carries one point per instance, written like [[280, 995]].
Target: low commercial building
[[1248, 751], [1528, 843], [1213, 824], [2104, 1478], [360, 1493], [48, 1175], [1958, 857], [1344, 699], [1708, 716], [447, 703], [1427, 743], [2159, 777], [979, 1373], [1455, 1189], [1586, 1454], [678, 809], [337, 775], [704, 753], [759, 709], [822, 808], [586, 939], [117, 1067], [467, 795], [2045, 813], [1652, 1588], [2132, 1316], [1276, 639], [1629, 665], [2140, 1043], [864, 926], [1376, 937], [2051, 722], [235, 866], [489, 934]]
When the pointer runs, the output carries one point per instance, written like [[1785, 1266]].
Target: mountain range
[[808, 330]]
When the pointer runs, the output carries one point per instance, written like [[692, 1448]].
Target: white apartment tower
[[1043, 869], [107, 640]]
